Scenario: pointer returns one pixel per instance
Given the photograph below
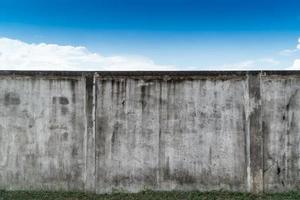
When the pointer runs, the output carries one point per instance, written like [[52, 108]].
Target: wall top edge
[[147, 73]]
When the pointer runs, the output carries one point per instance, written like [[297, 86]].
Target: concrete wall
[[170, 134], [281, 127], [42, 133], [130, 131]]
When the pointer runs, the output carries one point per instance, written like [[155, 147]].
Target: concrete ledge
[[148, 73]]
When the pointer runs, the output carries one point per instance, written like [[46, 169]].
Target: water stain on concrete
[[11, 98], [63, 100]]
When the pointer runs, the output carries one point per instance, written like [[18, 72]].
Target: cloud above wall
[[256, 64], [289, 52], [18, 55], [296, 62], [296, 65]]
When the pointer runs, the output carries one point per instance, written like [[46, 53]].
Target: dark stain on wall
[[74, 151], [292, 100], [11, 98], [54, 100], [147, 178], [115, 137], [64, 110], [63, 100], [180, 176], [65, 136], [120, 180], [73, 88], [102, 127], [143, 97]]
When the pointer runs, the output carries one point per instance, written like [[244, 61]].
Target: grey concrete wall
[[130, 131], [281, 125], [42, 133], [170, 134]]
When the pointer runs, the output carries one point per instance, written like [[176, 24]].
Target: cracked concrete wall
[[130, 131]]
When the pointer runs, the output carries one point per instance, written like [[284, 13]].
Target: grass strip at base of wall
[[146, 195]]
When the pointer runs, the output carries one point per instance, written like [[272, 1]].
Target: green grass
[[147, 195]]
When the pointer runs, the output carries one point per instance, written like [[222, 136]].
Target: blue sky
[[184, 34]]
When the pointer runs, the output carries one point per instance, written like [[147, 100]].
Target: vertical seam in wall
[[159, 174], [86, 133], [248, 159], [89, 141], [94, 129], [256, 140], [262, 132]]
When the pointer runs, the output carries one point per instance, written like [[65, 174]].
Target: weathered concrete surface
[[173, 134], [90, 167], [105, 131], [255, 133], [42, 133], [281, 127]]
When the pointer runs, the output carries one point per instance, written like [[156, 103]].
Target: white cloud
[[296, 65], [296, 62], [18, 55], [259, 64], [288, 52]]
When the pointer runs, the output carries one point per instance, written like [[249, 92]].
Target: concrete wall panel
[[42, 133], [171, 134], [281, 127]]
